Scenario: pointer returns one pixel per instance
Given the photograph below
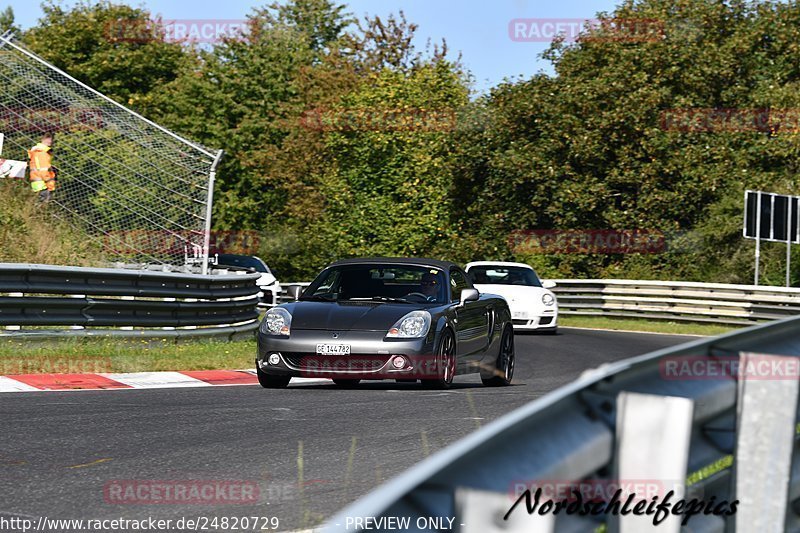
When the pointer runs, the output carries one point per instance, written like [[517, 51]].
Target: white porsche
[[533, 306]]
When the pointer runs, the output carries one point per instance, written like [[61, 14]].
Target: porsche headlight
[[548, 300], [414, 325], [278, 321]]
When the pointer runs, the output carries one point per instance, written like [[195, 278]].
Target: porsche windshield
[[504, 275], [379, 283]]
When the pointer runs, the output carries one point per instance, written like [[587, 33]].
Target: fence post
[[212, 176], [653, 435], [766, 412]]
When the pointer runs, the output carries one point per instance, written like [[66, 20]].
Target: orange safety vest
[[40, 167]]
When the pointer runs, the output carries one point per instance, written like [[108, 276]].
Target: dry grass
[[31, 233]]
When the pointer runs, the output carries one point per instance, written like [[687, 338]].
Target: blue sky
[[476, 28]]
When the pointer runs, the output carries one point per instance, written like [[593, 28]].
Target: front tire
[[445, 363], [272, 382], [504, 372]]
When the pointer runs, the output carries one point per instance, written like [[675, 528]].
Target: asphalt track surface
[[310, 449]]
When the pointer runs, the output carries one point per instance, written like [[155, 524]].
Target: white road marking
[[156, 380], [12, 385]]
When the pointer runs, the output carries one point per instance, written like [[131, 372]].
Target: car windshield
[[504, 275], [242, 261], [379, 283]]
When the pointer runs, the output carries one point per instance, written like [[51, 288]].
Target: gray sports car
[[387, 318]]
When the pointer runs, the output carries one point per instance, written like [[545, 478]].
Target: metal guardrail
[[681, 301], [715, 303], [719, 437], [88, 300]]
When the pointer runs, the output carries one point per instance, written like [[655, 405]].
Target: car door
[[472, 319]]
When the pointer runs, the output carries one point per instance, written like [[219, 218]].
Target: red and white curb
[[134, 380]]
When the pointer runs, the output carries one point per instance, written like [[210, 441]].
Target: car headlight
[[548, 300], [277, 321], [414, 325]]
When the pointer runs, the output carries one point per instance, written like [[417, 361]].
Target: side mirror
[[547, 284], [294, 292], [469, 295]]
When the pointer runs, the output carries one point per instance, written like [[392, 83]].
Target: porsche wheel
[[504, 371], [445, 363]]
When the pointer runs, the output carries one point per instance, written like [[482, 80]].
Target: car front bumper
[[371, 356], [546, 319]]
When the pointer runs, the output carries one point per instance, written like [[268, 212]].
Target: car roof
[[418, 261], [497, 263]]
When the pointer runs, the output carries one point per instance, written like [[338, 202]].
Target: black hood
[[344, 316]]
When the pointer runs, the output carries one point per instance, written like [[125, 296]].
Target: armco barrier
[[34, 299], [676, 300], [714, 303], [713, 437]]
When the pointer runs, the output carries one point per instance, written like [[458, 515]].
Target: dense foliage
[[342, 139]]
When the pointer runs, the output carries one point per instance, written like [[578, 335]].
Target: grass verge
[[122, 355], [31, 233], [118, 355], [651, 326]]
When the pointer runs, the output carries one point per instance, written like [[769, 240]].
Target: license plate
[[333, 349], [519, 314]]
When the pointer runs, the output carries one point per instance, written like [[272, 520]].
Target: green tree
[[359, 172], [239, 95], [588, 147], [386, 189], [7, 20], [306, 106], [116, 49], [322, 22]]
